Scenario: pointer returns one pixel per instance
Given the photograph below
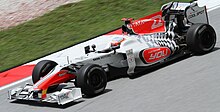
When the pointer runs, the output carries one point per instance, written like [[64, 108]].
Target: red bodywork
[[60, 77], [152, 55], [148, 24]]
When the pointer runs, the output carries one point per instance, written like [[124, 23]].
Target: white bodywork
[[131, 47]]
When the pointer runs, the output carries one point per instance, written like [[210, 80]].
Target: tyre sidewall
[[195, 35], [43, 66], [83, 79]]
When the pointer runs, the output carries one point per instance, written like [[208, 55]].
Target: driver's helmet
[[116, 41]]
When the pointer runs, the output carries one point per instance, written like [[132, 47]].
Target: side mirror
[[93, 47]]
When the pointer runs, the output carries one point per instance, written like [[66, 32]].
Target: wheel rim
[[207, 40], [95, 79]]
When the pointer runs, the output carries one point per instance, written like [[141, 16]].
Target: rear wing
[[183, 14], [196, 14], [191, 11]]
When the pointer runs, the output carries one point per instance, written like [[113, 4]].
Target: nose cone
[[53, 79]]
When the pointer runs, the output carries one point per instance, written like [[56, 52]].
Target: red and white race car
[[178, 29]]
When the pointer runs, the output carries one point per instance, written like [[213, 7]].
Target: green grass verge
[[67, 25]]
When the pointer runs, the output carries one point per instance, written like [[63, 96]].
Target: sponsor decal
[[81, 58], [196, 14], [64, 96], [157, 22], [44, 94], [149, 24], [102, 57], [152, 55], [62, 74], [131, 61]]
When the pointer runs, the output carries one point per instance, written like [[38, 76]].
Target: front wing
[[61, 97]]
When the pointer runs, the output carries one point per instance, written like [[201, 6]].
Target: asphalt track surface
[[187, 85]]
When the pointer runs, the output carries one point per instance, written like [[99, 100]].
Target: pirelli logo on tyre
[[152, 55]]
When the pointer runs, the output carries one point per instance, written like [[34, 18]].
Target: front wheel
[[201, 38], [41, 69], [91, 79]]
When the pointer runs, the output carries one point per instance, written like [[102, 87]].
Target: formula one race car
[[178, 29]]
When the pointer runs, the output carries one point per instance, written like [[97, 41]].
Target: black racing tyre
[[201, 38], [92, 80], [41, 69]]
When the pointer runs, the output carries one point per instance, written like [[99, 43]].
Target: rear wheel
[[41, 69], [91, 79], [201, 38]]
